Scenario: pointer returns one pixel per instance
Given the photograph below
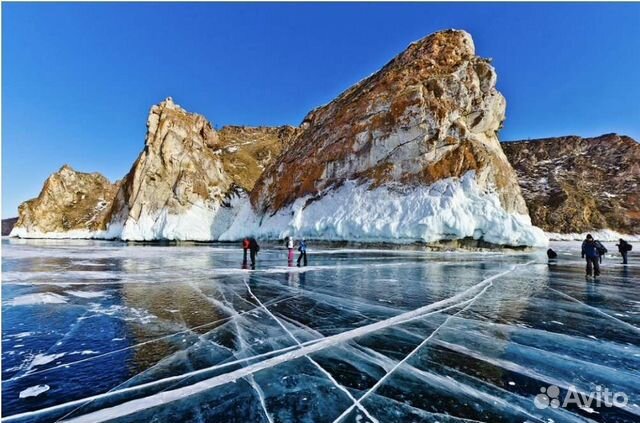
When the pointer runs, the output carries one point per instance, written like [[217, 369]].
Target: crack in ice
[[597, 310], [408, 356], [315, 363], [309, 347], [192, 329], [133, 406]]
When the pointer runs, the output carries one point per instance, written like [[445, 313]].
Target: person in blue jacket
[[591, 253], [303, 252]]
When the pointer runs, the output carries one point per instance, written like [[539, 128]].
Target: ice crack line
[[250, 378], [315, 363], [191, 329], [401, 362], [597, 310], [292, 353]]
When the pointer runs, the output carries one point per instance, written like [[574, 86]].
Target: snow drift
[[452, 208]]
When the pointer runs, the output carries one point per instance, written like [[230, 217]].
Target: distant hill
[[7, 225], [573, 184]]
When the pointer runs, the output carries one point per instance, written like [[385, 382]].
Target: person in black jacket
[[253, 251], [602, 250], [245, 248], [624, 247]]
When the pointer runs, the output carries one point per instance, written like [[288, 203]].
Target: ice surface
[[86, 294], [42, 359], [34, 391], [39, 298], [183, 333]]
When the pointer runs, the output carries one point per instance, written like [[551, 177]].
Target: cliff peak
[[432, 112], [429, 116]]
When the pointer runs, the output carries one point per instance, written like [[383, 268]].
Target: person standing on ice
[[623, 247], [303, 252], [601, 250], [245, 248], [290, 248], [253, 251], [591, 253]]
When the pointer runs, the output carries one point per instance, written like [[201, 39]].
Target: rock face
[[183, 185], [177, 186], [430, 115], [71, 204], [246, 152], [575, 185]]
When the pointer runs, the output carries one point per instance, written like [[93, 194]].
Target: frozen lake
[[95, 331]]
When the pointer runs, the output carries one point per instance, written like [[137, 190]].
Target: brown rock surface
[[178, 171], [431, 113], [181, 183], [247, 151], [574, 185], [69, 201]]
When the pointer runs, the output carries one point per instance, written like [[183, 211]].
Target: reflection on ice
[[134, 333]]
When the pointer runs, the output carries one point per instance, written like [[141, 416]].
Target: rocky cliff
[[71, 204], [575, 185], [176, 186], [431, 113], [181, 187], [412, 153]]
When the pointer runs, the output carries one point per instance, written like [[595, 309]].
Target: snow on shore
[[449, 209], [73, 234], [452, 208], [600, 234]]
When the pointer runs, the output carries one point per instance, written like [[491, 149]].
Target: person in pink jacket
[[291, 252]]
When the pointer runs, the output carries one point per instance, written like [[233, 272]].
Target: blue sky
[[79, 79]]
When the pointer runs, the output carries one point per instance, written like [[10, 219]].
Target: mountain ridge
[[574, 184]]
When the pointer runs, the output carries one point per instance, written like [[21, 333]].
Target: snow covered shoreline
[[450, 213], [448, 210], [599, 234]]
